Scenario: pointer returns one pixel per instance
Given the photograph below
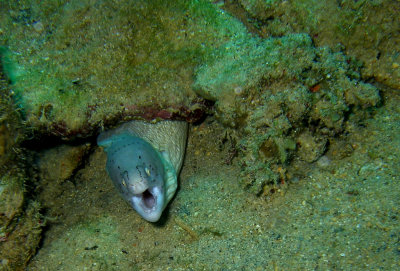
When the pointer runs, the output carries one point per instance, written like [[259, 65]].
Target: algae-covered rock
[[311, 147], [20, 222], [12, 199], [367, 29], [243, 63], [85, 65], [11, 130], [107, 63], [59, 163], [272, 89]]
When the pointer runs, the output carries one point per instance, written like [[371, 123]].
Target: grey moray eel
[[143, 161]]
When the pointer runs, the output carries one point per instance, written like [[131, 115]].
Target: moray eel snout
[[143, 161]]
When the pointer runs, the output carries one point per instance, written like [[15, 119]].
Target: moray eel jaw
[[146, 187], [150, 201], [149, 204]]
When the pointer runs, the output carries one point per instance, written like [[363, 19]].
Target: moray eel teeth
[[144, 161]]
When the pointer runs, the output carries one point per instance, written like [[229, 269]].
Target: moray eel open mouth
[[148, 199], [149, 203]]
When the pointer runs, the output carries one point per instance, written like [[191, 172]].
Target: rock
[[56, 166], [97, 65], [361, 26], [311, 147], [59, 163], [20, 221], [158, 60]]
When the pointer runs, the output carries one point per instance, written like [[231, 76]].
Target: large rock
[[82, 67], [368, 30], [76, 66]]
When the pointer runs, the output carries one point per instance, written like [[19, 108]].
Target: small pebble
[[323, 162], [38, 26]]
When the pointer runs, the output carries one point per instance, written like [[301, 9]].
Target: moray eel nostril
[[143, 162]]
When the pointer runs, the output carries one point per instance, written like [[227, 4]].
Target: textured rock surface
[[290, 87], [57, 166], [368, 30], [160, 60], [106, 62], [20, 221]]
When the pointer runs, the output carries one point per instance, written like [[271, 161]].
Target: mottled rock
[[56, 166], [20, 221], [93, 65], [310, 147], [363, 27], [59, 163]]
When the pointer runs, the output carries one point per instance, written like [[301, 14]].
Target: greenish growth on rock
[[260, 8], [12, 131], [311, 147], [8, 66], [257, 176], [20, 227], [104, 63], [241, 63], [12, 199], [241, 67], [363, 27], [274, 88]]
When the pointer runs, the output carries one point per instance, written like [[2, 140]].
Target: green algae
[[9, 68], [155, 59], [243, 62], [270, 113], [285, 98]]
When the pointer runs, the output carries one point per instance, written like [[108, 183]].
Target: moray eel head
[[138, 172], [143, 162]]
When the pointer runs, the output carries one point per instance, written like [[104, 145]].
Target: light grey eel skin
[[143, 161]]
